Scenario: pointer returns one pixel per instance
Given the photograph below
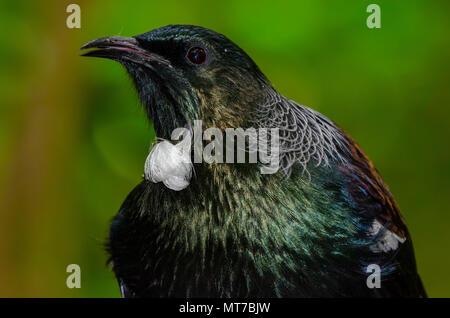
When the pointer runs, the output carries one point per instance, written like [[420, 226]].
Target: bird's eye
[[196, 55]]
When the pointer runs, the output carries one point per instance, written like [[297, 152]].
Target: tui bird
[[312, 229]]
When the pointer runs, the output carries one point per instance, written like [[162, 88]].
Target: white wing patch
[[170, 164], [388, 240]]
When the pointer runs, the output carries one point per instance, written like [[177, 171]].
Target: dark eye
[[196, 55]]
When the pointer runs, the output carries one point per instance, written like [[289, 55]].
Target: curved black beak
[[112, 47], [121, 49]]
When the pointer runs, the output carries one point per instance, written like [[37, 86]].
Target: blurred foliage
[[74, 138]]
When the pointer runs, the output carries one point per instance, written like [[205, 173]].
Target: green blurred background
[[74, 138]]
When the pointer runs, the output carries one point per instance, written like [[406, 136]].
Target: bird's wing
[[371, 192], [392, 246], [124, 291], [307, 135], [123, 244]]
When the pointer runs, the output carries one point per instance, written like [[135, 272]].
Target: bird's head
[[185, 72]]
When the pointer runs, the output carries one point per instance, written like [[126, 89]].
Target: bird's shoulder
[[309, 139]]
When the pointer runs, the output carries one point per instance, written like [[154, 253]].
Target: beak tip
[[89, 45]]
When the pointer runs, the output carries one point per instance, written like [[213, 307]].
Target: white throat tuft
[[170, 164]]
